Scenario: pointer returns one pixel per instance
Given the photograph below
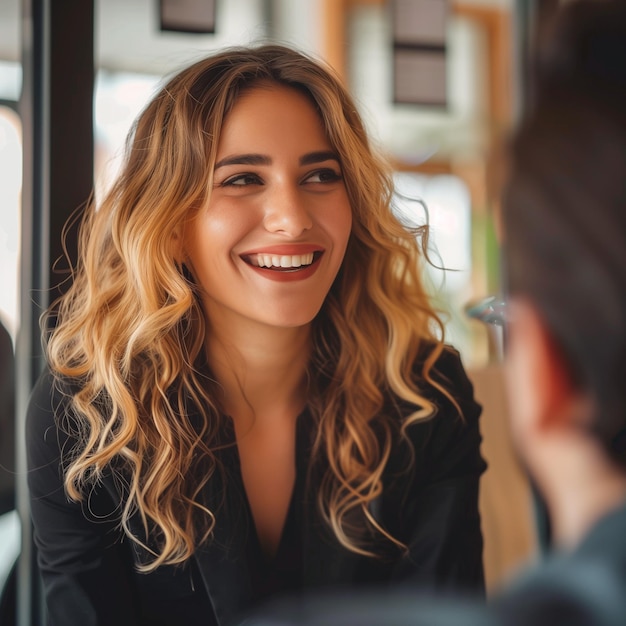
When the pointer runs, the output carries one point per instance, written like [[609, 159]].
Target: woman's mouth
[[282, 262]]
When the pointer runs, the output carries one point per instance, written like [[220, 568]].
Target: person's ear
[[177, 248], [541, 393]]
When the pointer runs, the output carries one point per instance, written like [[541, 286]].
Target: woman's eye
[[241, 180], [324, 176]]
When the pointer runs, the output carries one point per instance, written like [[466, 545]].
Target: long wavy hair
[[130, 331]]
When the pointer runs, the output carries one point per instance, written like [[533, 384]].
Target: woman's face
[[267, 247]]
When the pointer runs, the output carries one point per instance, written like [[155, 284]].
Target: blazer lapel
[[324, 560], [222, 558]]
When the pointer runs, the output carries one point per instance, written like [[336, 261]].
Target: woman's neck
[[262, 371]]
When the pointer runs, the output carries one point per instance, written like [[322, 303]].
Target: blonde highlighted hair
[[131, 331]]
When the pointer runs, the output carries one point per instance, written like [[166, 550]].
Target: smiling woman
[[246, 395], [269, 242]]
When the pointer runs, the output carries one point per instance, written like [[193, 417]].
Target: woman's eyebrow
[[261, 159], [318, 157], [244, 159]]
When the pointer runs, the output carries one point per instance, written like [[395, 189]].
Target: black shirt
[[89, 569]]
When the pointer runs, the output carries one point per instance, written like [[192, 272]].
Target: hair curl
[[131, 329]]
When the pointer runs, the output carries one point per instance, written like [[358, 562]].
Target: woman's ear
[[542, 395], [177, 248]]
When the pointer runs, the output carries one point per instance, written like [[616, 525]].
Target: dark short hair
[[564, 205]]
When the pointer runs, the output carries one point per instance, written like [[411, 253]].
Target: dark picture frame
[[419, 52], [187, 16]]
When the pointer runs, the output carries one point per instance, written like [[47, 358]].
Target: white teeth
[[287, 260]]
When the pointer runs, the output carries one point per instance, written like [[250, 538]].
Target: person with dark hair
[[248, 392], [564, 226]]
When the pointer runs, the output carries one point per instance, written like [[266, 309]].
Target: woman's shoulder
[[450, 392], [449, 372], [446, 443], [49, 406], [51, 393], [446, 384]]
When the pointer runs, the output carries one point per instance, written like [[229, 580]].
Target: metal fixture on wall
[[187, 16], [419, 51]]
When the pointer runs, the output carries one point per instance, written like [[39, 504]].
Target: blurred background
[[439, 84], [434, 113]]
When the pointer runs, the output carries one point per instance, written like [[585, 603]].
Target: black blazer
[[583, 587], [89, 567]]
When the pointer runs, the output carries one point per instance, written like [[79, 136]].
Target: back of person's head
[[564, 206]]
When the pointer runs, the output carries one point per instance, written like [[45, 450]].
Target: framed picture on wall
[[419, 52], [187, 16]]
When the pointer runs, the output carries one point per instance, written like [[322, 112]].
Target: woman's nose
[[286, 211]]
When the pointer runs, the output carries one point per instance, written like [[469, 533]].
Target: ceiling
[[128, 38]]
